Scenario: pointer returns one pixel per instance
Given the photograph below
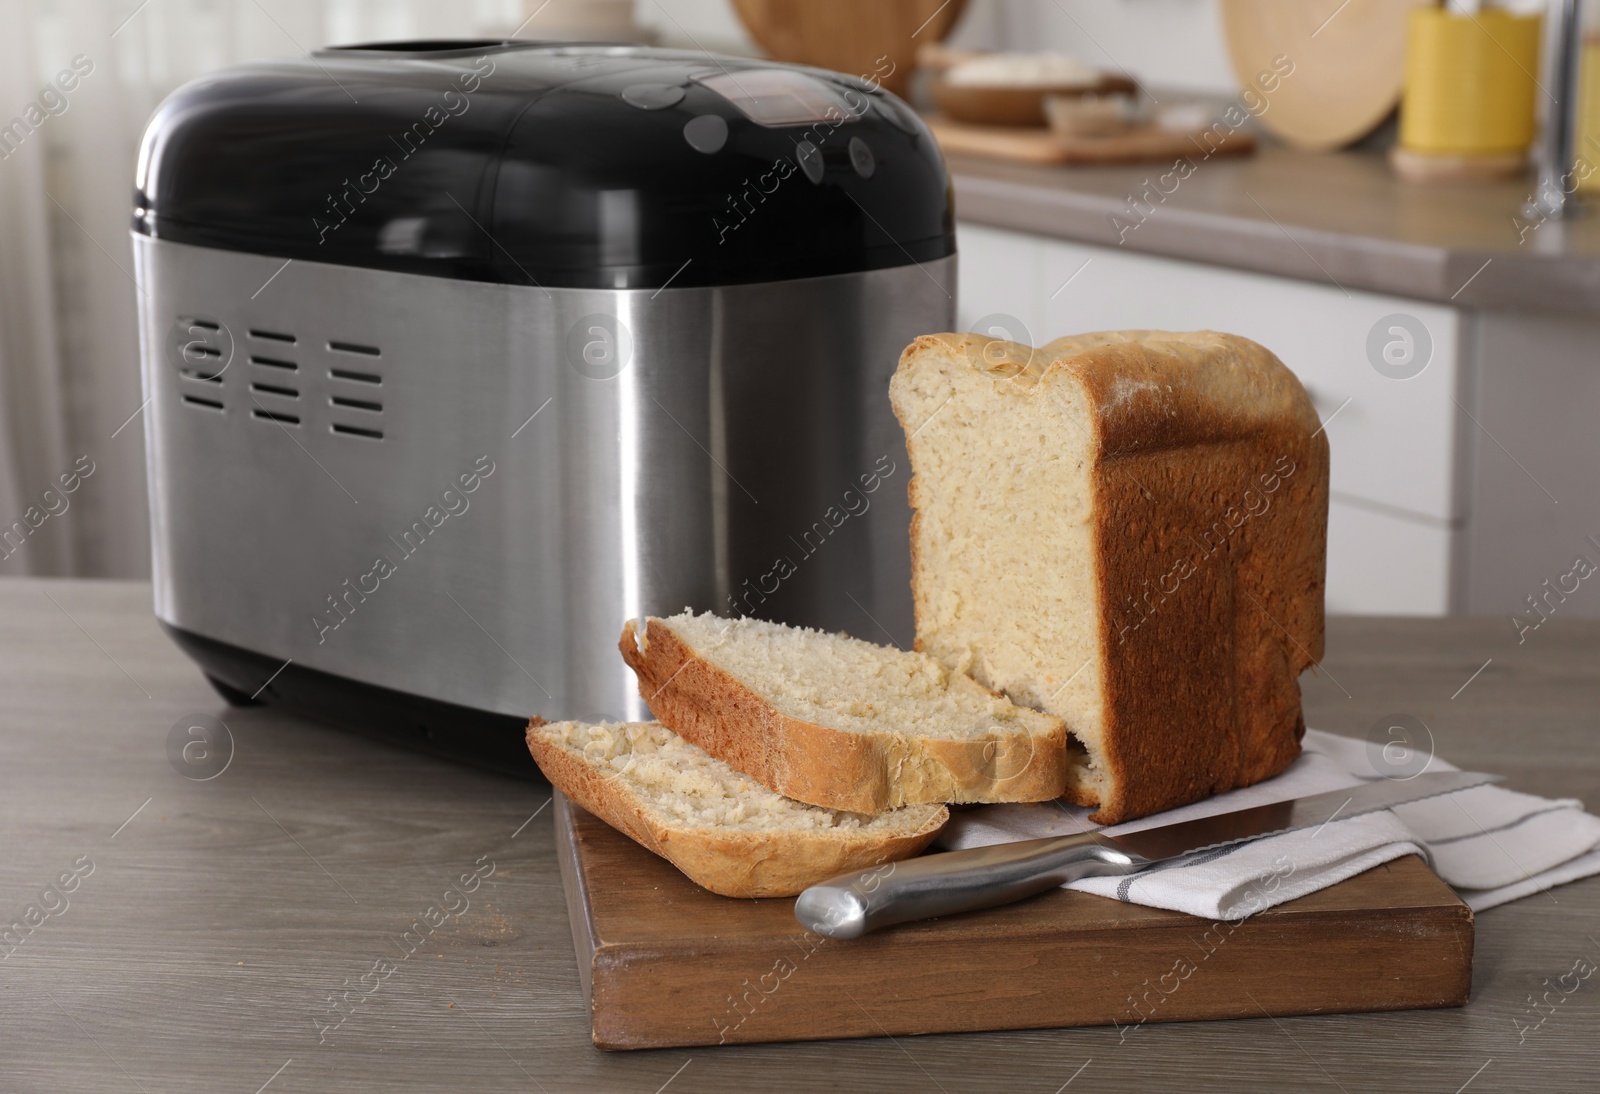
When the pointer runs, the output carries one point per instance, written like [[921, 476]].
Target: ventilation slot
[[205, 324], [203, 377], [273, 389], [274, 362], [355, 347], [356, 431], [209, 404], [273, 416], [366, 409], [272, 336]]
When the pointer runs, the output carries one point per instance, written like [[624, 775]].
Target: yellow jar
[[1469, 83], [1588, 135]]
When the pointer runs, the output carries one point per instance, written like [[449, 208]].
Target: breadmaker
[[459, 354]]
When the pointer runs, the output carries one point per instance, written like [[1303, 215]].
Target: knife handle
[[852, 904]]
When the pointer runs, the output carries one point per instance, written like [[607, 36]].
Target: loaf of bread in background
[[1127, 530], [838, 722], [725, 831]]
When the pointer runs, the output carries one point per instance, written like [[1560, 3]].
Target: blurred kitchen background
[[1235, 164]]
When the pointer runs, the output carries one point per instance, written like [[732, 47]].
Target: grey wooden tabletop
[[213, 935]]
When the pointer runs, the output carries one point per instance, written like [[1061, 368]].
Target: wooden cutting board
[[878, 38], [1142, 144], [665, 963], [1346, 62]]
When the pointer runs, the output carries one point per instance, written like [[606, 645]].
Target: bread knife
[[852, 904]]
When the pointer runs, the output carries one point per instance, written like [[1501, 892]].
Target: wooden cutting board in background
[[1142, 144], [850, 36], [1348, 59], [665, 963]]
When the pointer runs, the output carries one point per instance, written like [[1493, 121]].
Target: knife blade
[[852, 904]]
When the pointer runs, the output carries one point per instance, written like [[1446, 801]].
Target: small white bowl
[[1089, 115]]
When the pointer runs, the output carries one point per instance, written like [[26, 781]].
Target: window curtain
[[78, 80]]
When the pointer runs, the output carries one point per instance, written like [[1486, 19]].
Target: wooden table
[[220, 916]]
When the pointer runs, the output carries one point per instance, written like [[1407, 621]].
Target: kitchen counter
[[218, 931], [1334, 218]]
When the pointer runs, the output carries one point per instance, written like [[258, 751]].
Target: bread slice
[[838, 722], [1127, 530], [726, 831]]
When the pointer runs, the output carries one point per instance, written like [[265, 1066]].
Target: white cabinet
[[1379, 564], [1396, 509]]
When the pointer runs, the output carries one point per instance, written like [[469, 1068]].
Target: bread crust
[[827, 767], [725, 861], [1201, 696]]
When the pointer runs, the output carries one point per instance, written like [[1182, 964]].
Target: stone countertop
[[1336, 218]]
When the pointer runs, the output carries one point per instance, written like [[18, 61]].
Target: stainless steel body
[[460, 490], [959, 881]]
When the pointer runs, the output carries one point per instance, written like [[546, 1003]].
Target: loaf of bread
[[838, 722], [727, 832], [1127, 530]]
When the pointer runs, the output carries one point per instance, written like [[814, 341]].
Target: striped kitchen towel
[[1493, 845]]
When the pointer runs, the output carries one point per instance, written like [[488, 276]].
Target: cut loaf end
[[727, 832], [838, 722], [1127, 530]]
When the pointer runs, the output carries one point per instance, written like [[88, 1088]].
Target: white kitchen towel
[[1492, 845]]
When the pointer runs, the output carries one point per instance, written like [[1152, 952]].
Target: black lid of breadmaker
[[590, 166]]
